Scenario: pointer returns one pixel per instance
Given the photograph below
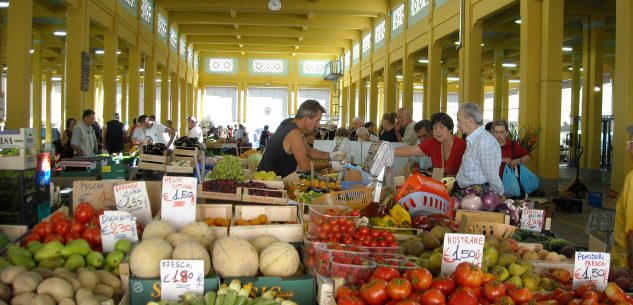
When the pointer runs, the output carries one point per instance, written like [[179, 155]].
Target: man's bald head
[[404, 115]]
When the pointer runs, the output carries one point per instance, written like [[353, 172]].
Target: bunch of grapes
[[220, 186], [265, 193], [229, 167], [253, 184]]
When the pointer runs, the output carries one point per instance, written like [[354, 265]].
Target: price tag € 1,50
[[459, 248], [592, 267]]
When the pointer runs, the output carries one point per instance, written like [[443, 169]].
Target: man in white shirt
[[194, 130], [157, 132]]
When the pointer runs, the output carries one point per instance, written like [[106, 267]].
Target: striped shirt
[[480, 163]]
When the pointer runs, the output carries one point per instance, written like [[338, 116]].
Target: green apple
[[114, 259], [95, 259], [123, 245]]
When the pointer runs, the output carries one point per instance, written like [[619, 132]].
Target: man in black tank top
[[287, 150]]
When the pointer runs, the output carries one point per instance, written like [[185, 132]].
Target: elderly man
[[480, 163], [356, 123], [84, 140], [194, 130], [404, 127]]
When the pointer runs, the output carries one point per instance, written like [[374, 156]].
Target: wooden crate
[[277, 184], [237, 196], [283, 200], [179, 169], [482, 216], [191, 152], [204, 211], [284, 232], [152, 162]]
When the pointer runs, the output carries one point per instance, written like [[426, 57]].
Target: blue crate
[[594, 199]]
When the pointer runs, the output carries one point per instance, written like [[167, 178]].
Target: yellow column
[[110, 67], [182, 123], [530, 64], [344, 107], [623, 91], [362, 99], [175, 98], [77, 41], [149, 85], [352, 101], [407, 82], [63, 98], [505, 106], [373, 97], [391, 91], [499, 83], [470, 61], [49, 101], [19, 25], [134, 64], [444, 90], [594, 109], [434, 76], [37, 87], [190, 100], [576, 61], [551, 88], [164, 93], [381, 102], [125, 113], [586, 87]]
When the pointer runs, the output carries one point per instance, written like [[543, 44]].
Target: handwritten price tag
[[178, 200], [132, 198], [592, 267], [116, 225], [532, 220], [459, 248], [180, 276]]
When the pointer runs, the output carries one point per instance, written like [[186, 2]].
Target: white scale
[[378, 162]]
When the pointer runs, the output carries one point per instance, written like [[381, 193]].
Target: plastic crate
[[594, 199], [327, 213], [17, 178], [353, 274], [25, 214], [43, 210], [356, 199]]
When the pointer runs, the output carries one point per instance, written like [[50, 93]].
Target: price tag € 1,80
[[180, 276], [116, 225], [592, 267], [459, 248]]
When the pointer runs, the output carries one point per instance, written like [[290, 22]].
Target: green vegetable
[[241, 300], [235, 285], [209, 298], [220, 299], [230, 298]]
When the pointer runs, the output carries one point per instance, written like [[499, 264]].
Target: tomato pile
[[468, 285], [342, 254], [333, 223], [85, 225]]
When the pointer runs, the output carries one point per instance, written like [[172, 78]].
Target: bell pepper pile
[[398, 217]]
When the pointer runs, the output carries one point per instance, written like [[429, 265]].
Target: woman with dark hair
[[512, 153], [445, 149], [67, 150], [388, 129]]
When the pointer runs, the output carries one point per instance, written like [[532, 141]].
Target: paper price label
[[459, 248], [592, 267], [116, 225], [132, 198], [532, 220], [180, 276], [178, 200]]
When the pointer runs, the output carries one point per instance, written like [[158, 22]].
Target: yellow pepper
[[401, 216], [390, 222], [378, 222]]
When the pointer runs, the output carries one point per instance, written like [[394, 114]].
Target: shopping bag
[[529, 181], [510, 183]]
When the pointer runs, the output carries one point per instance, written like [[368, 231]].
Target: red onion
[[471, 202], [490, 200]]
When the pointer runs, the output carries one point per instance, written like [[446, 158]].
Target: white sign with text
[[459, 248]]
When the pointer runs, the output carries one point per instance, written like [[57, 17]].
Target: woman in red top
[[512, 153], [443, 138]]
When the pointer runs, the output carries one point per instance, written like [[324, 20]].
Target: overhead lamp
[[597, 88], [398, 76], [424, 61], [581, 69], [118, 52], [158, 80], [418, 87], [509, 65], [4, 68], [518, 21], [514, 81], [31, 51], [141, 70], [56, 78], [483, 44], [59, 33], [99, 52], [456, 43], [570, 68], [4, 4], [567, 49], [452, 78]]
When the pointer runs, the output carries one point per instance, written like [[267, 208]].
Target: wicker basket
[[356, 199], [496, 230]]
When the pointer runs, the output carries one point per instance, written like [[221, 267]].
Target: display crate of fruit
[[220, 190], [18, 158], [152, 162], [282, 222], [216, 216], [309, 252], [265, 196]]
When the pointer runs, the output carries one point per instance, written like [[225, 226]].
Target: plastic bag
[[529, 181], [510, 183]]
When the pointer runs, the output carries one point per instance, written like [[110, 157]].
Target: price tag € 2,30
[[459, 248], [592, 267], [180, 276], [116, 225]]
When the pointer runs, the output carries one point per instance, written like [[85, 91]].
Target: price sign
[[180, 276], [532, 220], [459, 248], [132, 198], [592, 267], [116, 225], [178, 200]]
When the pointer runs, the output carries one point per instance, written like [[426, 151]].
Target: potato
[[71, 279], [82, 295], [107, 278], [67, 301], [61, 270], [26, 282], [43, 299], [44, 273], [88, 279], [58, 288], [5, 292], [90, 301], [103, 290], [101, 298], [23, 299], [9, 274]]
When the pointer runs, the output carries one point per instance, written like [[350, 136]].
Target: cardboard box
[[284, 232], [25, 159], [237, 196], [101, 195], [283, 200], [204, 211], [299, 289], [142, 291], [17, 138]]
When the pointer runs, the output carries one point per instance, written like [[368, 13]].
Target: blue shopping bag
[[510, 183], [529, 181]]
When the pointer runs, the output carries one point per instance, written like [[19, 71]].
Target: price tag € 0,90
[[459, 248], [178, 200], [116, 225], [132, 197], [180, 276], [592, 267], [532, 220]]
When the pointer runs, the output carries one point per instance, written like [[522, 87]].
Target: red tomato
[[493, 290], [345, 291], [469, 275], [385, 273], [76, 227], [399, 289], [462, 298], [407, 302], [84, 212], [375, 292], [574, 302], [591, 295], [509, 286], [95, 217], [70, 236], [444, 284], [564, 297], [46, 228], [433, 297], [31, 237], [61, 226], [540, 296], [520, 295], [584, 288], [504, 300], [420, 279], [350, 300], [52, 237], [474, 291], [58, 216]]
